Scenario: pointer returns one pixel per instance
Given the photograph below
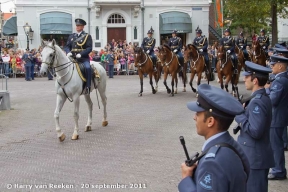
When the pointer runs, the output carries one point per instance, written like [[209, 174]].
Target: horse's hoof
[[75, 137], [62, 137], [168, 91], [184, 90], [140, 95], [175, 92], [194, 90], [154, 91], [88, 128], [104, 123]]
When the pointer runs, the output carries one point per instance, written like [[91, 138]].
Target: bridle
[[191, 59], [52, 61], [51, 66], [166, 63], [140, 64]]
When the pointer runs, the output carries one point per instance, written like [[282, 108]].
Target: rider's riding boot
[[235, 68], [154, 65], [87, 91]]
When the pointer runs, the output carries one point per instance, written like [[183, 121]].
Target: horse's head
[[163, 52], [48, 56], [221, 53], [138, 53], [255, 45], [190, 52]]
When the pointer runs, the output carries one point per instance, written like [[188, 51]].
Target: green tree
[[253, 15]]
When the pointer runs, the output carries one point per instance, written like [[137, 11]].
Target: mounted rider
[[175, 43], [78, 46], [148, 45], [263, 41], [201, 42], [228, 43], [241, 42]]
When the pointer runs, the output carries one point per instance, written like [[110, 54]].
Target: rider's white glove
[[148, 51], [241, 46], [264, 47], [78, 56], [69, 54], [228, 51], [201, 50], [175, 51]]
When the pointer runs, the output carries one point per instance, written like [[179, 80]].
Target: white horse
[[69, 85]]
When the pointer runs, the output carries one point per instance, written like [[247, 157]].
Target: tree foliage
[[253, 15]]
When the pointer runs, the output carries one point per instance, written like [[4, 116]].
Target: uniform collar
[[259, 91], [212, 138], [280, 74], [79, 33]]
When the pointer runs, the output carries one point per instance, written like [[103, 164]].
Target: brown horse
[[171, 66], [197, 64], [240, 55], [258, 54], [225, 68], [144, 64]]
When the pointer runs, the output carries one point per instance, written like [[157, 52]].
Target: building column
[[104, 36], [129, 37]]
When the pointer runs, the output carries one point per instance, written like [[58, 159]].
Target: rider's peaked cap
[[217, 101], [174, 31], [80, 22], [227, 30], [255, 69], [278, 59], [262, 30]]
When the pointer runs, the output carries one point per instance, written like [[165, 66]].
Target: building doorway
[[119, 34]]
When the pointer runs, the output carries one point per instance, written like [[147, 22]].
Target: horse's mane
[[167, 46], [137, 49]]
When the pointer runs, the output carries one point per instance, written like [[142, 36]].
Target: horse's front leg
[[199, 75], [165, 82], [151, 83], [172, 83], [227, 80], [193, 72], [102, 92], [90, 108], [156, 78], [59, 105], [220, 78], [141, 83], [176, 83], [75, 135]]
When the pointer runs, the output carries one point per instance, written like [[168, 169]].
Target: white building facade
[[111, 19]]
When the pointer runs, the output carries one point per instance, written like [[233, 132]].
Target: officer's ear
[[210, 121]]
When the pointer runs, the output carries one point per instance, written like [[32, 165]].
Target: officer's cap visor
[[194, 106], [247, 73]]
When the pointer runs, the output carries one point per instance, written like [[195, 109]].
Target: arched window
[[116, 18]]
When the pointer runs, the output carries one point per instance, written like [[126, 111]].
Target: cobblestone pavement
[[139, 149]]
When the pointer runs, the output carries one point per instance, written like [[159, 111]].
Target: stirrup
[[87, 91]]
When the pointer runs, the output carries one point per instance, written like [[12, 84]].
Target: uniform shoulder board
[[278, 78], [212, 152], [258, 96], [179, 38]]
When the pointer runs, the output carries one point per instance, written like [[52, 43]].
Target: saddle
[[82, 73]]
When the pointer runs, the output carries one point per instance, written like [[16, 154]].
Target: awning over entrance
[[55, 23], [10, 26], [175, 20]]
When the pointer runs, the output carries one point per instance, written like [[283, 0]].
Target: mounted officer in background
[[264, 41], [228, 43], [241, 42], [148, 45], [78, 46], [201, 42], [175, 43]]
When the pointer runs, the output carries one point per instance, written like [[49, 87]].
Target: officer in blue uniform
[[241, 42], [278, 93], [263, 40], [229, 45], [282, 52], [79, 45], [255, 123], [224, 167], [201, 43], [175, 43], [148, 45]]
